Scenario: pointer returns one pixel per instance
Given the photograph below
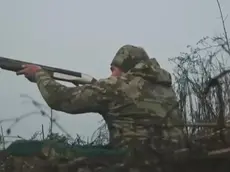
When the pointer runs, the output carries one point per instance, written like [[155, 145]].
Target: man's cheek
[[114, 73]]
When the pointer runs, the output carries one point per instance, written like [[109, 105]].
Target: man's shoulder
[[110, 80], [116, 80], [113, 80]]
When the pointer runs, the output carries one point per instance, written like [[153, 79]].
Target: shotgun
[[56, 73]]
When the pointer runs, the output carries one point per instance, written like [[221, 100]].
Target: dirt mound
[[11, 163], [37, 156]]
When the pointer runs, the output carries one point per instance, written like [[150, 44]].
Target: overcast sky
[[85, 35]]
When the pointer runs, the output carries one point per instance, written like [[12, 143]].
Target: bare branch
[[223, 24]]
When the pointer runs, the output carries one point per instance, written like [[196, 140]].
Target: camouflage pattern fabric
[[128, 56], [132, 104]]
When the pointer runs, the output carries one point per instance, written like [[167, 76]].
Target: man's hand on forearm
[[29, 71]]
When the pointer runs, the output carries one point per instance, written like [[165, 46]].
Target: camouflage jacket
[[130, 104]]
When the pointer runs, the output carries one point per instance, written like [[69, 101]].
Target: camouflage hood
[[128, 56], [151, 71], [135, 60]]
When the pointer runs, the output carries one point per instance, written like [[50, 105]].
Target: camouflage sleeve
[[73, 100]]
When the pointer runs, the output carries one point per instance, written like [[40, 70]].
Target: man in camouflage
[[133, 100]]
